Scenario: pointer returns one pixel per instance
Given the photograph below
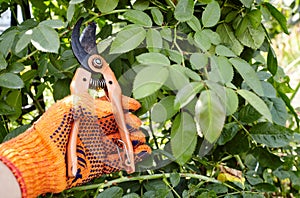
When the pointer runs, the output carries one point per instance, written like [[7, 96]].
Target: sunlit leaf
[[153, 58], [257, 103], [187, 93], [184, 10], [3, 63], [252, 37], [157, 16], [76, 1], [222, 50], [128, 39], [163, 110], [106, 5], [221, 70], [183, 137], [202, 40], [45, 39], [211, 14], [248, 74], [10, 80], [153, 40], [138, 17], [198, 60], [210, 115], [7, 41], [194, 23], [149, 80], [23, 41]]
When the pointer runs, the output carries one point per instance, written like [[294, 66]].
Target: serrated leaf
[[184, 10], [23, 41], [11, 81], [280, 18], [248, 74], [45, 39], [177, 78], [128, 39], [187, 93], [157, 16], [163, 110], [198, 60], [228, 38], [202, 40], [210, 115], [7, 41], [256, 102], [272, 61], [242, 26], [114, 191], [141, 5], [153, 58], [183, 138], [138, 17], [252, 37], [271, 135], [3, 63], [279, 112], [221, 70], [214, 37], [194, 23], [153, 40], [174, 179], [232, 101], [228, 133], [106, 5], [211, 14], [254, 17], [149, 80], [222, 50]]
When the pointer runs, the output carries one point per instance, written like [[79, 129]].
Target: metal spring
[[97, 83]]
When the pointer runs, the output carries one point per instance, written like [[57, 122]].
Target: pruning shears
[[85, 50]]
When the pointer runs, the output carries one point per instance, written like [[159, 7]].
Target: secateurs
[[85, 50]]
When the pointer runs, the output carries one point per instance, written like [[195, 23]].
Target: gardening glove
[[37, 157]]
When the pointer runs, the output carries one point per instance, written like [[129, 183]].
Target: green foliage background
[[204, 71]]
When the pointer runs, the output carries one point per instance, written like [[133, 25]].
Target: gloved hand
[[37, 157]]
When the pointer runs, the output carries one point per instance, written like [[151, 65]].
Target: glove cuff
[[37, 164]]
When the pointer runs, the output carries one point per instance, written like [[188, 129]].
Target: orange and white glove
[[37, 157]]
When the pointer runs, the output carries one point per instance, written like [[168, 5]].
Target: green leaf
[[194, 23], [272, 61], [279, 112], [23, 41], [280, 18], [177, 77], [131, 195], [128, 39], [232, 101], [247, 3], [214, 37], [257, 103], [183, 137], [11, 81], [266, 159], [61, 89], [222, 50], [106, 5], [153, 40], [198, 60], [153, 58], [187, 93], [3, 63], [141, 5], [211, 14], [14, 99], [174, 179], [221, 70], [248, 74], [138, 17], [210, 115], [149, 80], [114, 191], [70, 12], [252, 37], [53, 23], [228, 133], [254, 17], [229, 39], [271, 135], [163, 110], [16, 132], [7, 41], [76, 1], [157, 16], [248, 114], [45, 39], [202, 40], [242, 26], [184, 10]]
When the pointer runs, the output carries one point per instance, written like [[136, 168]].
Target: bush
[[214, 101]]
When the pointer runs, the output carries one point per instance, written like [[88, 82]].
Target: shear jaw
[[91, 62]]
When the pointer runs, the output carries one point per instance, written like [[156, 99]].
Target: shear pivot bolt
[[97, 63]]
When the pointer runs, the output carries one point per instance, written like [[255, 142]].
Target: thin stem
[[239, 161], [142, 178], [26, 57], [152, 131], [295, 92], [171, 187]]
